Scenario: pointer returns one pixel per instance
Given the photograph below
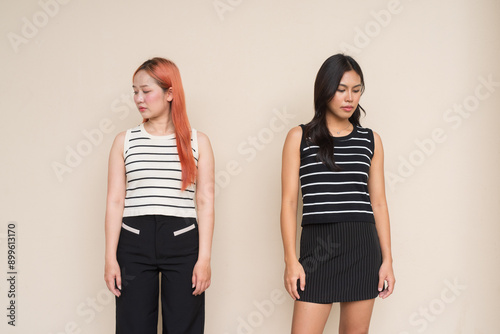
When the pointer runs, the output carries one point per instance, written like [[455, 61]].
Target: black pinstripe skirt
[[341, 262]]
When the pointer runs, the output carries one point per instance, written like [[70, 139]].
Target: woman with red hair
[[157, 171]]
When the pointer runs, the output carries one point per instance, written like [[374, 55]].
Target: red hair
[[167, 75]]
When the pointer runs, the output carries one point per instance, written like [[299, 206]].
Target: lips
[[142, 108], [347, 108]]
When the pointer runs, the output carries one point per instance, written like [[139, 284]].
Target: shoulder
[[118, 143], [294, 137], [202, 137], [295, 133], [120, 137], [377, 144], [204, 145], [293, 140], [376, 137]]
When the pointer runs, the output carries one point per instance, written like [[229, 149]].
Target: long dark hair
[[325, 86]]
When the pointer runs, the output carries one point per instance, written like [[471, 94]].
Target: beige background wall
[[248, 68]]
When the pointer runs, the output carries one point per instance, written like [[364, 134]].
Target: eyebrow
[[133, 86], [352, 87]]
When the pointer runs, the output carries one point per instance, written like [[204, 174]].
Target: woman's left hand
[[201, 277], [386, 274]]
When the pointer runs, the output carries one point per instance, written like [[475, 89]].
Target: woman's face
[[346, 98], [150, 98]]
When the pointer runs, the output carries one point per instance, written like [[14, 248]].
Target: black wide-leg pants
[[150, 246]]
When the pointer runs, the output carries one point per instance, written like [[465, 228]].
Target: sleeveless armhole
[[303, 140], [372, 140], [126, 143], [194, 144]]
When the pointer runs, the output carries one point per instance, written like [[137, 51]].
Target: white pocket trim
[[131, 229], [184, 230]]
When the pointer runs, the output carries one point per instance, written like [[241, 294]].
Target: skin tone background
[[248, 71]]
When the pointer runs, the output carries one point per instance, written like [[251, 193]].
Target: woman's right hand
[[293, 272], [112, 274]]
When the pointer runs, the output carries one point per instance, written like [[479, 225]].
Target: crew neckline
[[347, 135], [143, 129]]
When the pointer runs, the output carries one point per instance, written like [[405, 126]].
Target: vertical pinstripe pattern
[[341, 261]]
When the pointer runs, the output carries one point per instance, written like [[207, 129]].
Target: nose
[[139, 97], [348, 96]]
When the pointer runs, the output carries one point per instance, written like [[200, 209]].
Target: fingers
[[119, 281], [390, 287], [302, 278], [291, 286], [193, 281], [110, 283], [385, 293], [113, 277], [381, 281], [291, 289], [199, 284], [295, 275], [201, 287], [195, 286]]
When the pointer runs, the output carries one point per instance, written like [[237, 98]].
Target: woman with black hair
[[345, 247]]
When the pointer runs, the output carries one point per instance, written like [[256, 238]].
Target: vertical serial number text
[[11, 273]]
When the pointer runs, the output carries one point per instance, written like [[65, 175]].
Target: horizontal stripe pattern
[[154, 174], [337, 196]]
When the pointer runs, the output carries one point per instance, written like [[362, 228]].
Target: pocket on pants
[[184, 230], [130, 229]]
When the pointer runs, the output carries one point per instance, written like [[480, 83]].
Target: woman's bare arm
[[114, 213], [205, 211], [376, 188], [289, 198]]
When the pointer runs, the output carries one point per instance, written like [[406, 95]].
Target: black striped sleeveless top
[[337, 196]]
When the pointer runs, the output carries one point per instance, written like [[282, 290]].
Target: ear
[[169, 95]]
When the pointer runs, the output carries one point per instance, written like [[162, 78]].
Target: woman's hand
[[201, 276], [112, 274], [386, 274], [293, 272]]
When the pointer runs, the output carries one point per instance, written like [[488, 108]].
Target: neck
[[337, 125], [160, 126]]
